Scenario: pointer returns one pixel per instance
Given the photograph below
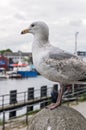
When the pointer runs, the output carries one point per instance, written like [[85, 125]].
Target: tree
[[7, 50]]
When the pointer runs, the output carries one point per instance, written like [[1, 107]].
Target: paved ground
[[81, 107]]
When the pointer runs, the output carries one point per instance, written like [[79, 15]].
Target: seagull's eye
[[32, 25]]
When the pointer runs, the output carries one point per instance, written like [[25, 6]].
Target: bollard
[[54, 93], [12, 114], [13, 96], [30, 96], [43, 91], [30, 93], [43, 94], [13, 100]]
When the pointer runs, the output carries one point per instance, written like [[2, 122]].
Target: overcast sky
[[64, 18]]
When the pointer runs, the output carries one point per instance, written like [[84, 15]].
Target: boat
[[28, 71], [15, 75], [3, 76], [24, 70], [26, 74]]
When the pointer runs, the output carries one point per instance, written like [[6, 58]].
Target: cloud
[[76, 22], [64, 18], [20, 16]]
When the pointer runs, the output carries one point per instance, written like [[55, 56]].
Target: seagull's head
[[39, 29]]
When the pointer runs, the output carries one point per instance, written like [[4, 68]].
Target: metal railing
[[23, 97]]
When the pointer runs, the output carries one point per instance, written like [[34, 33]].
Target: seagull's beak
[[25, 31]]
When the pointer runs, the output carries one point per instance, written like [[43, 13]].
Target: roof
[[17, 54]]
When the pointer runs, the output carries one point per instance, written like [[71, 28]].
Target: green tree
[[7, 50]]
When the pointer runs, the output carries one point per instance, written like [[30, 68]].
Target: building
[[16, 56], [82, 54], [4, 62]]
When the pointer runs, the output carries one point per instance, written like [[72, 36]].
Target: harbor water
[[6, 85]]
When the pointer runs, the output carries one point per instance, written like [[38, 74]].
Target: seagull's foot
[[48, 107], [55, 105]]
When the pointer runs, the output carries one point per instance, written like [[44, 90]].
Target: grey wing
[[60, 54], [67, 63]]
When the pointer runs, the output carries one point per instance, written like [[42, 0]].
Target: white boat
[[3, 76], [13, 74]]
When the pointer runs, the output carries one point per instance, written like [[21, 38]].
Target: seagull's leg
[[59, 99]]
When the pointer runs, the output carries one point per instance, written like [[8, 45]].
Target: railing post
[[3, 120], [73, 89], [3, 113], [24, 97], [27, 115], [77, 96], [2, 101]]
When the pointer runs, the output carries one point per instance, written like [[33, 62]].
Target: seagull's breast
[[38, 53], [38, 56]]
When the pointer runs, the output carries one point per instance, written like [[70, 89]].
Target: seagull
[[52, 62]]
